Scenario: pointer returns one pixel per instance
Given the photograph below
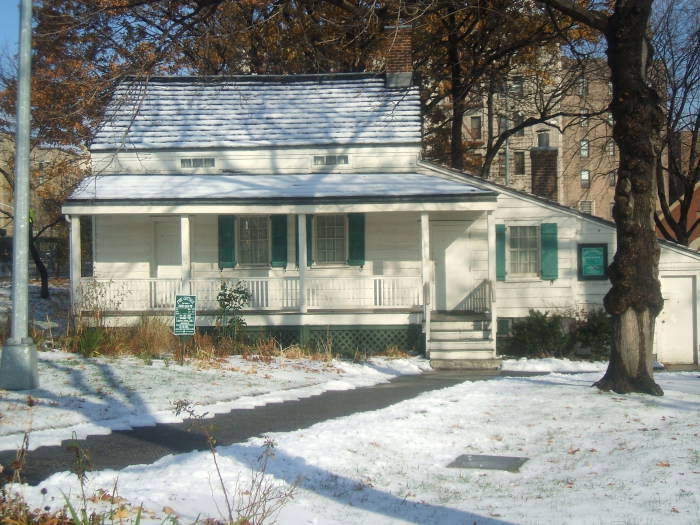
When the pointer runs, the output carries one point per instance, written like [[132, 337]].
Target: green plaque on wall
[[592, 261]]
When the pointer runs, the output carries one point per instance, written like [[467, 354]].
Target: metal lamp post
[[18, 364]]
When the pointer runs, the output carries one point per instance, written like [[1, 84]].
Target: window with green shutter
[[278, 224], [309, 240], [227, 241], [356, 239], [500, 252], [549, 251]]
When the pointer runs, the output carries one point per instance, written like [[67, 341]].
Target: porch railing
[[266, 293]]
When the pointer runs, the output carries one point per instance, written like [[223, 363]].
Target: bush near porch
[[587, 335]]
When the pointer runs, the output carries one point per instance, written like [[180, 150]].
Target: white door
[[167, 254], [166, 263], [675, 326], [449, 250]]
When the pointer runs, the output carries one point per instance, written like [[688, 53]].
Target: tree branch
[[590, 17]]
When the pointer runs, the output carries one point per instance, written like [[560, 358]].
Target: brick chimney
[[399, 60], [544, 172]]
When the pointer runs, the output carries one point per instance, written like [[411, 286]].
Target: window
[[501, 163], [523, 250], [253, 240], [609, 88], [612, 178], [585, 179], [330, 160], [612, 209], [610, 119], [502, 123], [583, 148], [543, 139], [476, 127], [517, 88], [519, 159], [586, 207], [610, 148], [197, 162], [582, 86], [585, 121], [517, 121], [330, 239]]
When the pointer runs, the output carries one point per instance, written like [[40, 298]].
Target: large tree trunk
[[635, 299]]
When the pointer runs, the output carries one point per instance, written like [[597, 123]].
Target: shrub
[[232, 298], [538, 335], [592, 335]]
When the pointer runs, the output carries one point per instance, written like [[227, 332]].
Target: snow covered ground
[[79, 397], [593, 457]]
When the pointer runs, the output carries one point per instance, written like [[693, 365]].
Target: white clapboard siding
[[365, 159], [123, 246]]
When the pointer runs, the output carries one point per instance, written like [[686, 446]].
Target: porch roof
[[298, 189]]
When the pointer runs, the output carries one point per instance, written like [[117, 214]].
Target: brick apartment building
[[571, 160]]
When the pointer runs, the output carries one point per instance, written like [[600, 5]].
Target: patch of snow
[[552, 364], [81, 397], [594, 457]]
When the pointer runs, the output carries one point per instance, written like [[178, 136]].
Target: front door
[[166, 266], [449, 251], [167, 255]]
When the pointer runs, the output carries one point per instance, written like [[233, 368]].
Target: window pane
[[584, 148], [520, 163], [330, 239], [524, 248], [585, 178], [476, 127], [253, 245]]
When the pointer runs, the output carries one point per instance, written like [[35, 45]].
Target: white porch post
[[491, 235], [75, 259], [186, 259], [301, 235], [426, 275]]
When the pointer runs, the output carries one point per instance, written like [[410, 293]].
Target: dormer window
[[330, 160], [197, 162]]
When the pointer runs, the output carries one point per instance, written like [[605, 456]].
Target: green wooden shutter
[[227, 241], [278, 224], [500, 252], [309, 240], [356, 239], [549, 256]]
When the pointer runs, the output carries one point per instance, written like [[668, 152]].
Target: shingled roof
[[253, 111]]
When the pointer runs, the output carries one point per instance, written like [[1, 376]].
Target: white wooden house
[[311, 190]]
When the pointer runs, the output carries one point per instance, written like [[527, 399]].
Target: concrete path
[[145, 445]]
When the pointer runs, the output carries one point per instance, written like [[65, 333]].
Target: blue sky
[[9, 24]]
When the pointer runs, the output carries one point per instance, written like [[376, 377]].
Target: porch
[[266, 294], [378, 260]]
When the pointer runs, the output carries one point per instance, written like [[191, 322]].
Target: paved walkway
[[145, 445]]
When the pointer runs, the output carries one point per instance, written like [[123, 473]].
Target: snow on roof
[[229, 112], [260, 187]]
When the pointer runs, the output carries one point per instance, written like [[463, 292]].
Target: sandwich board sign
[[185, 314]]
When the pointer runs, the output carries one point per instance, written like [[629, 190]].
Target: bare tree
[[677, 68], [635, 299]]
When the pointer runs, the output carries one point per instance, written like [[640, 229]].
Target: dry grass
[[14, 511]]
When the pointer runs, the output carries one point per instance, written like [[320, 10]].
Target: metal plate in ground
[[508, 463]]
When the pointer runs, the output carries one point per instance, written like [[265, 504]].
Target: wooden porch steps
[[462, 340]]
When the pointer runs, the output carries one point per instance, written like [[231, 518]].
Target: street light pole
[[18, 364]]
